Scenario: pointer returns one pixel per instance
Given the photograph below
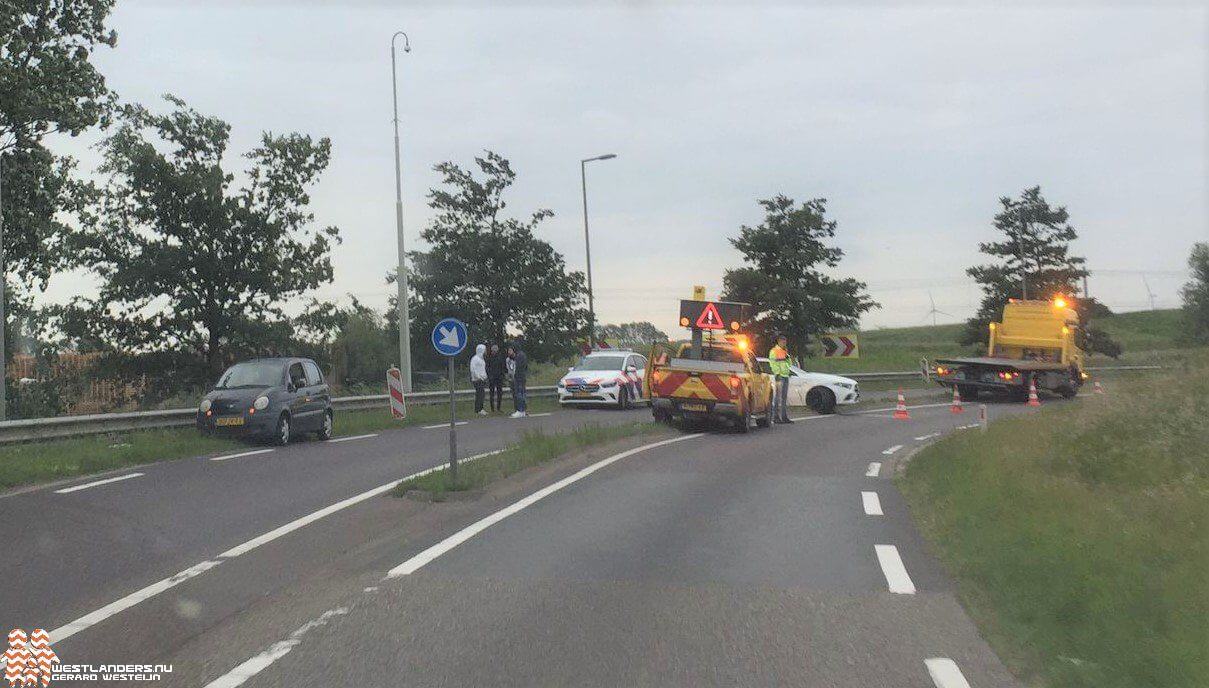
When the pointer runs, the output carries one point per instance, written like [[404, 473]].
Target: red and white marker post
[[394, 389]]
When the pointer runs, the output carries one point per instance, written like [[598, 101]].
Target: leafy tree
[[47, 85], [632, 334], [1196, 295], [489, 270], [363, 348], [1035, 247], [188, 263], [784, 279]]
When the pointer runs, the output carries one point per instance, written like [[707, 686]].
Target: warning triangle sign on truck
[[710, 319]]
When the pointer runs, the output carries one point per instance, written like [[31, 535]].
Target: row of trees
[[788, 260], [199, 264]]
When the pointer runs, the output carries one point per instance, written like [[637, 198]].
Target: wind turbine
[[933, 312], [1149, 293]]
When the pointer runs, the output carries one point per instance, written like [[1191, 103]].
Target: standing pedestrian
[[495, 377], [478, 377], [778, 361], [520, 374]]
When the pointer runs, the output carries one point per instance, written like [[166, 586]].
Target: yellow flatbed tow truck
[[713, 378], [1034, 344]]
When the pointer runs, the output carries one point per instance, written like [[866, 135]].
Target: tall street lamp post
[[583, 178], [401, 277]]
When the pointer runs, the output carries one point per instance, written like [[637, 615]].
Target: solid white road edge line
[[892, 568], [442, 425], [891, 408], [94, 483], [260, 662], [240, 454], [945, 673], [418, 561], [96, 617], [873, 505], [539, 415], [874, 468], [354, 437], [893, 449]]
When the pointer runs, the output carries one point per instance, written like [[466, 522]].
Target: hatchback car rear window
[[251, 374]]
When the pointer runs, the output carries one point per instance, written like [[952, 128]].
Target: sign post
[[449, 338]]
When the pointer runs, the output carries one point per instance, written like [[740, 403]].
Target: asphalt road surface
[[783, 557]]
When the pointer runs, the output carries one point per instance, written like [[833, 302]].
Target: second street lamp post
[[583, 178], [401, 275]]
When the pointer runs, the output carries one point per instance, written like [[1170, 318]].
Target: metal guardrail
[[100, 423]]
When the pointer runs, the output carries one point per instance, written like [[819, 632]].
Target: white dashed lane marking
[[354, 437], [893, 449], [240, 454], [95, 483], [873, 505], [945, 673], [893, 569], [442, 425]]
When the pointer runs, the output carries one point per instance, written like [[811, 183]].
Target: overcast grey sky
[[911, 121]]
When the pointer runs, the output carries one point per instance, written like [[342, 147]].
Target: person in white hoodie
[[478, 377]]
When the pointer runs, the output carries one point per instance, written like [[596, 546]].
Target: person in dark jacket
[[495, 377], [520, 374]]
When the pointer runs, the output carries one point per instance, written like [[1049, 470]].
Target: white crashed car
[[822, 392], [610, 377]]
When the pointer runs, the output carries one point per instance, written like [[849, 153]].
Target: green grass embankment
[[1079, 535]]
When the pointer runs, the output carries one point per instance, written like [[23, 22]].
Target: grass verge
[[1079, 536], [31, 463], [535, 447]]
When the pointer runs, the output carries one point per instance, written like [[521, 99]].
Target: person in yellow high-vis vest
[[778, 361]]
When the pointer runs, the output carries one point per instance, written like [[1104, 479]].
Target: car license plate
[[229, 420], [694, 407], [582, 395]]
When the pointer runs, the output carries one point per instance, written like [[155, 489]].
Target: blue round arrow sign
[[449, 337]]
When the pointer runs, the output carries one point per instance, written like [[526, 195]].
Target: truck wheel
[[967, 392], [821, 400]]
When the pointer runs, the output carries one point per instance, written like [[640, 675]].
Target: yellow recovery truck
[[1035, 343], [715, 377]]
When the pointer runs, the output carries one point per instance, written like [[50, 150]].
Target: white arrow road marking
[[893, 449], [418, 561], [94, 483], [240, 454], [354, 437], [945, 673], [873, 505], [260, 662], [894, 571], [873, 470]]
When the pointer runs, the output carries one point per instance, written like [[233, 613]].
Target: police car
[[609, 377]]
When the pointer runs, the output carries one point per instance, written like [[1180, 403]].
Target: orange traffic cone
[[1098, 388], [1032, 393], [956, 407], [900, 410]]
